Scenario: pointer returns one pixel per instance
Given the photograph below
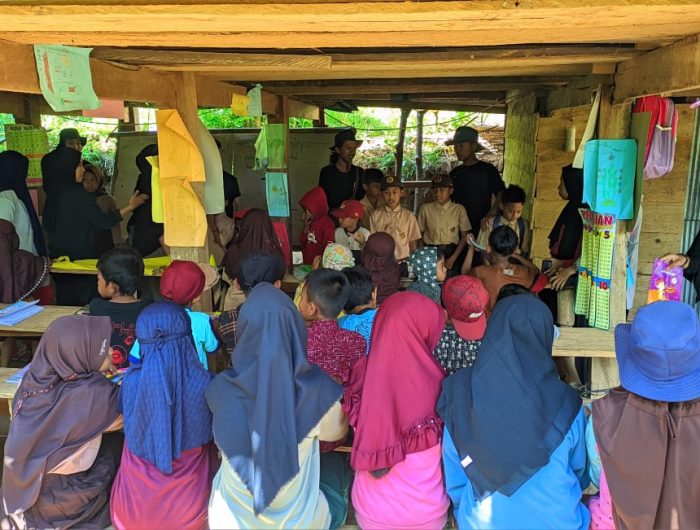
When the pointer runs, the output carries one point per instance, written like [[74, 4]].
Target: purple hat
[[659, 352]]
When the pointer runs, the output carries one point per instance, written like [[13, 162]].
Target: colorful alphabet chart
[[595, 268]]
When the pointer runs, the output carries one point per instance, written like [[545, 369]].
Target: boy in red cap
[[350, 232], [465, 299], [183, 283], [319, 229]]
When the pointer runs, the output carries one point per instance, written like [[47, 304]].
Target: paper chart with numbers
[[33, 143], [595, 268]]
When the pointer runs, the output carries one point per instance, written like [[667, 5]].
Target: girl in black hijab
[[144, 234]]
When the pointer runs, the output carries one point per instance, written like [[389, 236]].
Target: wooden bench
[[584, 342]]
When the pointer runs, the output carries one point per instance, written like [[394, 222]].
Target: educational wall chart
[[595, 268], [65, 78], [277, 191], [32, 143], [608, 176]]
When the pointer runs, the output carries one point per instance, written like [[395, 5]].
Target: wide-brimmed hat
[[344, 136], [464, 135], [465, 299], [659, 352], [70, 134]]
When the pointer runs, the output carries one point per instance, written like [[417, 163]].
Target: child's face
[[90, 182], [392, 196], [373, 190], [306, 308], [307, 216], [562, 190], [107, 290], [513, 211], [349, 223], [442, 195], [441, 272]]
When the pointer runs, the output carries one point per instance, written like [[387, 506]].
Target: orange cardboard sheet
[[181, 163]]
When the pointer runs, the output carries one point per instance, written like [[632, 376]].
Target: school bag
[[660, 149]]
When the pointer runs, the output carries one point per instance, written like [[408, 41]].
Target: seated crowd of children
[[407, 405]]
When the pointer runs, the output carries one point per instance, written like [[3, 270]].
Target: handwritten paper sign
[[276, 144], [255, 101], [277, 192], [239, 104], [595, 268], [64, 77], [32, 143], [608, 176]]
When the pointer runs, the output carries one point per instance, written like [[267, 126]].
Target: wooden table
[[584, 342], [36, 325], [7, 390], [289, 284]]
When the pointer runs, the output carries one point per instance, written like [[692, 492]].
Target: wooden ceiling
[[422, 54]]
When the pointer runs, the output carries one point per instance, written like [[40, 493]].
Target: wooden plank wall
[[520, 141], [550, 158], [663, 208]]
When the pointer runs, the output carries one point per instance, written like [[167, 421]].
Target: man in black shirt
[[476, 183], [341, 180]]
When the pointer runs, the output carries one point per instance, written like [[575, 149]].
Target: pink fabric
[[283, 236], [600, 507], [411, 495], [335, 351], [392, 393], [144, 498]]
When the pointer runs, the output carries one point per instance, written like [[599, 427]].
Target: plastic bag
[[665, 284]]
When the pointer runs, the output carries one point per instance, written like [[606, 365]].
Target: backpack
[[661, 138]]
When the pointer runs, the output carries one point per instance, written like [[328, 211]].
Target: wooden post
[[399, 144], [614, 123], [282, 117], [32, 111], [420, 173]]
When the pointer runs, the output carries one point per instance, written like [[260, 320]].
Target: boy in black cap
[[395, 220], [443, 223], [373, 199], [476, 183], [341, 180]]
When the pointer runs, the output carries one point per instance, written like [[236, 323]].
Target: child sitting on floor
[[512, 202], [335, 257], [119, 273], [361, 307], [350, 232], [183, 283], [397, 221], [428, 265], [506, 266], [319, 229], [465, 300], [335, 351]]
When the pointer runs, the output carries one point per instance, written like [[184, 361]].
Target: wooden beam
[[208, 61], [124, 82], [414, 86], [675, 68], [427, 105], [304, 24]]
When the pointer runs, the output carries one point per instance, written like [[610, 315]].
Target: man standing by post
[[341, 180]]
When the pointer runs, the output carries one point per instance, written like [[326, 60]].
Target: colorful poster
[[608, 176], [277, 192], [32, 143], [109, 108], [276, 144], [595, 268], [64, 77]]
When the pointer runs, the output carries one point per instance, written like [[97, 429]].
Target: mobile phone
[[546, 265]]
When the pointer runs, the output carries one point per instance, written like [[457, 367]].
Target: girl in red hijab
[[391, 402]]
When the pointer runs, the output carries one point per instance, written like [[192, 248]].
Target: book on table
[[19, 311]]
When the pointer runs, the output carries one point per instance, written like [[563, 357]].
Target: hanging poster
[[239, 104], [595, 268], [33, 143], [255, 101], [109, 108], [608, 176], [64, 77], [276, 144], [277, 192]]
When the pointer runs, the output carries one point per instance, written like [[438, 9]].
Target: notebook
[[18, 312]]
